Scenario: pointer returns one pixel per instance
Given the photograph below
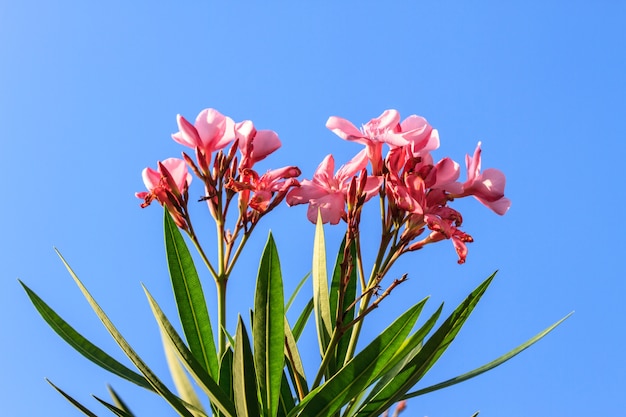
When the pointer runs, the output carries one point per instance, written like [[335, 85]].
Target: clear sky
[[89, 92]]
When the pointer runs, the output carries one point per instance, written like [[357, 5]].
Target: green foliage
[[261, 372]]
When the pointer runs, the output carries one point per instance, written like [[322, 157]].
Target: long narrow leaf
[[74, 402], [268, 329], [181, 380], [360, 371], [156, 383], [115, 410], [287, 402], [244, 378], [294, 363], [348, 299], [409, 349], [217, 397], [226, 375], [488, 366], [303, 319], [321, 303], [335, 282], [190, 300], [81, 344], [119, 403], [427, 356], [296, 291]]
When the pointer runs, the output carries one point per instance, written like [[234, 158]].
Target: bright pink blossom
[[168, 185], [383, 129], [488, 186], [255, 145], [420, 134], [422, 139], [210, 132], [267, 190], [327, 192]]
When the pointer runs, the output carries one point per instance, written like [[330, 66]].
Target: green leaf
[[226, 374], [218, 398], [119, 403], [409, 349], [287, 402], [81, 344], [156, 383], [244, 378], [321, 304], [303, 319], [294, 362], [335, 282], [360, 371], [74, 402], [488, 366], [349, 297], [268, 329], [180, 378], [115, 410], [296, 291], [426, 357], [190, 299]]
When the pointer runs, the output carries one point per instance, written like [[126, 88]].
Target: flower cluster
[[223, 173], [415, 188]]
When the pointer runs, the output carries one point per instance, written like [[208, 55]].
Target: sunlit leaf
[[190, 299], [156, 383], [74, 402], [244, 377], [268, 330], [409, 349], [287, 402], [81, 344], [321, 303], [294, 362], [426, 357], [296, 291], [349, 295], [360, 371], [181, 380], [119, 403], [112, 408], [488, 366], [218, 398], [302, 319]]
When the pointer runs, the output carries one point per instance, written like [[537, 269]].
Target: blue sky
[[88, 97]]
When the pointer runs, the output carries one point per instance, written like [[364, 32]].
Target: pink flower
[[383, 129], [255, 145], [210, 132], [422, 139], [168, 185], [268, 189], [420, 134], [487, 187], [327, 192]]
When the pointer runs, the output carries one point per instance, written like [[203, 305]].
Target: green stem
[[363, 306], [206, 261], [221, 315]]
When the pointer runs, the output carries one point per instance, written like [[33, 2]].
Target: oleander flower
[[168, 185], [382, 129], [254, 145], [487, 187], [327, 191], [211, 131]]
